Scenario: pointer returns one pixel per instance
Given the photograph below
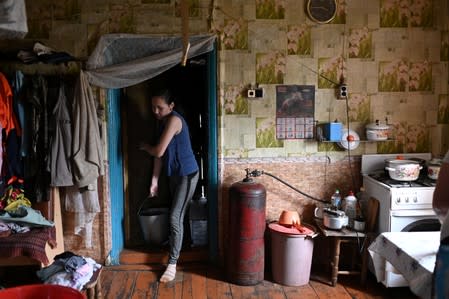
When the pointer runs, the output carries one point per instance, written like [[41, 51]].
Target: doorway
[[189, 85]]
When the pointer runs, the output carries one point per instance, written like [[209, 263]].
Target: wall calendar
[[295, 109]]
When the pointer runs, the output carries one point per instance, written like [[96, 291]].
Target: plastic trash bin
[[291, 254], [41, 291]]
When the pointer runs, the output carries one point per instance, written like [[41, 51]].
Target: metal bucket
[[154, 224]]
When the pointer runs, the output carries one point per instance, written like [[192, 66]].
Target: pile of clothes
[[70, 270]]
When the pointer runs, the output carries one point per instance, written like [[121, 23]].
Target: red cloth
[[8, 119], [31, 244]]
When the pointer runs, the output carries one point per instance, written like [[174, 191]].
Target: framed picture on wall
[[295, 109]]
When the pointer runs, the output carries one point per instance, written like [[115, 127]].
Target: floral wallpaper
[[394, 13], [444, 51], [235, 102], [359, 108], [155, 1], [194, 8], [270, 9], [393, 75], [398, 13], [421, 14], [270, 67], [235, 34], [331, 70], [266, 133], [340, 15], [417, 139], [299, 40], [443, 109], [420, 76], [360, 43], [392, 54]]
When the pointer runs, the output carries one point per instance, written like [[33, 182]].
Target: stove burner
[[422, 181]]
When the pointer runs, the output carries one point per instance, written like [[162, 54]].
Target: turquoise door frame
[[115, 156], [116, 188], [212, 191]]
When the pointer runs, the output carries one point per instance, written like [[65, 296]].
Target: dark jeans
[[441, 273]]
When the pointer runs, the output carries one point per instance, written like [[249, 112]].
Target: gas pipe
[[246, 252]]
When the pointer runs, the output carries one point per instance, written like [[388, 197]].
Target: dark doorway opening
[[189, 85]]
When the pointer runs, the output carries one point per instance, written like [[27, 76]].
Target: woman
[[173, 152], [441, 207]]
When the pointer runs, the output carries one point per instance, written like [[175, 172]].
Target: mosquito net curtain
[[121, 60]]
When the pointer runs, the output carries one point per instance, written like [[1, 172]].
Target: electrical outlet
[[343, 88], [255, 93]]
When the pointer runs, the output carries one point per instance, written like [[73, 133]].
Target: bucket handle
[[141, 204]]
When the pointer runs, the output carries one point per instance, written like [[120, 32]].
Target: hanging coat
[[61, 144], [86, 146]]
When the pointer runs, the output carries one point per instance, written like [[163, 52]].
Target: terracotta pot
[[289, 218]]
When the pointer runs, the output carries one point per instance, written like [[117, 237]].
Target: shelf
[[362, 141]]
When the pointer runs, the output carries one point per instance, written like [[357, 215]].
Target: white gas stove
[[403, 206]]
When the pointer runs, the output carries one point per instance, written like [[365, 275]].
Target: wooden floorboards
[[202, 281]]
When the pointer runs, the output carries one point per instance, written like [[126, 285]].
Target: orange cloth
[[8, 120]]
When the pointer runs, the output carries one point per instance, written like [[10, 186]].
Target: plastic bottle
[[336, 199], [362, 198], [351, 208], [359, 223]]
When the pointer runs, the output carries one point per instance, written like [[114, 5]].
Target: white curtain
[[13, 19]]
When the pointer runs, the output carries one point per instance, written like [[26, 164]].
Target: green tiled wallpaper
[[392, 54]]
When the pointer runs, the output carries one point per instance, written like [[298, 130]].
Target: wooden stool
[[93, 287], [338, 237], [345, 235]]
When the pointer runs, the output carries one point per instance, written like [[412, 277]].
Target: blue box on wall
[[329, 131]]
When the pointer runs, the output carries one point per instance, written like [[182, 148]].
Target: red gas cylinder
[[246, 252]]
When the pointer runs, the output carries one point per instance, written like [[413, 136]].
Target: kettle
[[334, 219]]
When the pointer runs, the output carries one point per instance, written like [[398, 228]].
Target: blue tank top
[[178, 158]]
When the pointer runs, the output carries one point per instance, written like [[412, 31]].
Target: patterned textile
[[405, 251], [30, 244]]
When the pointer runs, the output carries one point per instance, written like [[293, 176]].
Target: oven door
[[414, 220]]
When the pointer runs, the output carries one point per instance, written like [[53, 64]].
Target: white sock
[[169, 273]]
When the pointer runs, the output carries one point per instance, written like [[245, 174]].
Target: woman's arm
[[173, 127], [154, 186]]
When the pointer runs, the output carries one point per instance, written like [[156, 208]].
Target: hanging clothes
[[87, 145], [18, 86], [16, 144], [59, 164], [85, 205], [37, 178], [8, 120]]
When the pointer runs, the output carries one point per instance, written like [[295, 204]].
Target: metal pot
[[433, 169], [334, 219], [403, 170], [377, 131]]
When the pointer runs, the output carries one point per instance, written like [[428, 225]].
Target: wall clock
[[321, 11]]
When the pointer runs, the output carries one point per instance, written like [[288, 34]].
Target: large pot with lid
[[334, 219], [377, 131], [433, 169], [403, 170]]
